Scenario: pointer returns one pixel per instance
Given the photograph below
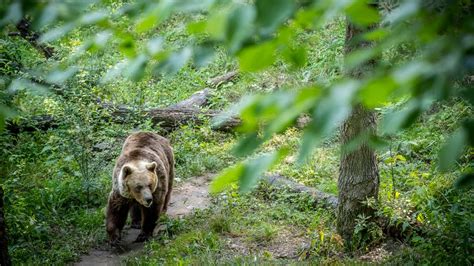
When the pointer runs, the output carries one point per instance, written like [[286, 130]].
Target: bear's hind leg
[[136, 216]]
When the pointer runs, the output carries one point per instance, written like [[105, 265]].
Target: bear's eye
[[138, 188]]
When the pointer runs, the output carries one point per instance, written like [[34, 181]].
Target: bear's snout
[[148, 201]]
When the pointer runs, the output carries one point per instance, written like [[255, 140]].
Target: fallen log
[[169, 118], [321, 198], [24, 28], [217, 81]]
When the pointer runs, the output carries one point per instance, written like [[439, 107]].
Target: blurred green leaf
[[403, 11], [13, 14], [255, 168], [257, 57], [452, 149], [272, 13], [394, 121], [295, 56], [332, 109], [57, 32], [362, 14], [155, 15], [226, 178], [114, 71], [93, 17], [127, 45], [239, 26], [203, 55], [377, 91], [24, 84], [154, 45], [136, 68], [192, 5], [174, 62], [49, 14], [60, 76], [247, 144], [304, 100]]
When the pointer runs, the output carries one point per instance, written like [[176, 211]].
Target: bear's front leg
[[149, 219], [136, 215], [117, 210]]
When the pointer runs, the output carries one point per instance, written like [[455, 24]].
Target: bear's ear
[[151, 166], [126, 170]]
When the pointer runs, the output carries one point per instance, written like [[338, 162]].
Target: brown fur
[[142, 182]]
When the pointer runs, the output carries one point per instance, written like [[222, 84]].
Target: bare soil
[[186, 197]]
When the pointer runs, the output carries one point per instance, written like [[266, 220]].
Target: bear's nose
[[149, 201]]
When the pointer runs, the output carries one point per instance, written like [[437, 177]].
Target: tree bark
[[4, 257], [358, 172]]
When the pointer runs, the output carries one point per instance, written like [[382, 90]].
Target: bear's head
[[138, 180]]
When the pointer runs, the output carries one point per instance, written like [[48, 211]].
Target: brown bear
[[142, 181]]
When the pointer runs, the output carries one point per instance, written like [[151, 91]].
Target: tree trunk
[[4, 257], [358, 172]]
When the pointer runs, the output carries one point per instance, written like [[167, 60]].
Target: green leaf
[[362, 14], [217, 24], [376, 92], [174, 62], [255, 168], [358, 57], [203, 55], [135, 70], [328, 115], [239, 26], [192, 5], [257, 57], [102, 37], [24, 84], [13, 15], [127, 45], [60, 76], [196, 27], [295, 56], [49, 14], [452, 149], [394, 121], [155, 15], [305, 99], [247, 144], [226, 178], [114, 71], [403, 11], [154, 45], [93, 17], [56, 33], [272, 13], [466, 180]]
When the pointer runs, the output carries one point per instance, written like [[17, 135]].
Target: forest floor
[[186, 198]]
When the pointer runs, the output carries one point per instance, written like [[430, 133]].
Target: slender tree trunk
[[358, 172], [4, 257]]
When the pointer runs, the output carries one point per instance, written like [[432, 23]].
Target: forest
[[302, 132]]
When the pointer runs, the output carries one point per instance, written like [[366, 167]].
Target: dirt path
[[186, 197]]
